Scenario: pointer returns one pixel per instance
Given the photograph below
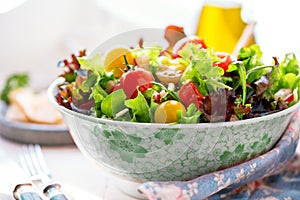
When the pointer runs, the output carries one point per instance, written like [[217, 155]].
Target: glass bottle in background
[[221, 25]]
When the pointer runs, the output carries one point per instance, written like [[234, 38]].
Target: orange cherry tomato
[[115, 61]]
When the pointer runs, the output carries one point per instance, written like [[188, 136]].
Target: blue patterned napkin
[[273, 174]]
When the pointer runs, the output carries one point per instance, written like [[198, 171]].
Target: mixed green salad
[[189, 84]]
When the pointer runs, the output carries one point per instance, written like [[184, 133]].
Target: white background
[[37, 34]]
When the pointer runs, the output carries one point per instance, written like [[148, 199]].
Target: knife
[[25, 191]]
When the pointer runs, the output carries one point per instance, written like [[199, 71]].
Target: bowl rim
[[53, 88]]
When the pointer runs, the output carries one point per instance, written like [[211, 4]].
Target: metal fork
[[34, 164]]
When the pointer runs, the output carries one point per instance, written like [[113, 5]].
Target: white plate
[[33, 133]]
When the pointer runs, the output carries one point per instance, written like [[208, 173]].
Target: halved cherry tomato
[[226, 60], [166, 112], [289, 98], [133, 79], [189, 93]]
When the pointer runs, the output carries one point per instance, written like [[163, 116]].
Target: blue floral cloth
[[273, 175]]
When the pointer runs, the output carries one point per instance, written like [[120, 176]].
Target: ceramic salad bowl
[[162, 152], [110, 128]]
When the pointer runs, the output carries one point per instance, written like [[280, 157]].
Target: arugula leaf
[[12, 82], [139, 108], [242, 73]]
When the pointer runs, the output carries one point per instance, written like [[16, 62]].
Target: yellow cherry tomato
[[166, 112]]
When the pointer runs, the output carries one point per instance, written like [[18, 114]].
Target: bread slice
[[13, 113], [35, 106]]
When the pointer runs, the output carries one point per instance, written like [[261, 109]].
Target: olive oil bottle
[[221, 25]]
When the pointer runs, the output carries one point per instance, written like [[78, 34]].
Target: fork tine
[[23, 164], [26, 162], [41, 160], [34, 159]]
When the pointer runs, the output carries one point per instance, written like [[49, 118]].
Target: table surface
[[69, 166]]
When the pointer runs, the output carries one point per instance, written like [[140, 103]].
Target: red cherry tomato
[[226, 60], [189, 93], [133, 79]]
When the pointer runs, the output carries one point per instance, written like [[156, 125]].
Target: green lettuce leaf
[[94, 64], [191, 117], [151, 52], [201, 70], [285, 75], [113, 103], [96, 80], [139, 108]]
